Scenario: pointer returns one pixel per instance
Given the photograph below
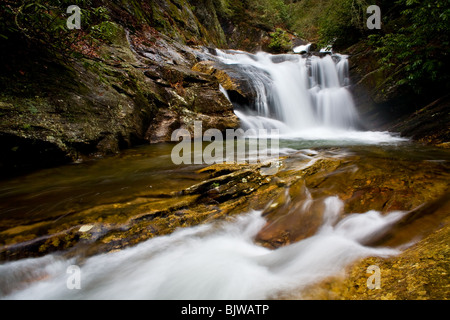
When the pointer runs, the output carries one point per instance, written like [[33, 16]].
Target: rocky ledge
[[134, 90], [384, 104]]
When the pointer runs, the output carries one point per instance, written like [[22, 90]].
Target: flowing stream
[[210, 262], [308, 101]]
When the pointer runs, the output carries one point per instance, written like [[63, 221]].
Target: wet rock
[[163, 126], [429, 124], [17, 151], [378, 98], [292, 217], [362, 185], [199, 103], [419, 273], [291, 201], [236, 83], [114, 226], [93, 108]]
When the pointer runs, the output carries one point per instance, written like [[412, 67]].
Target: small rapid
[[308, 101], [215, 261]]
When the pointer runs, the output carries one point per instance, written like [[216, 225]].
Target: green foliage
[[412, 46], [327, 21], [105, 30], [342, 22], [43, 23], [417, 53], [306, 15], [215, 185], [33, 110], [224, 8], [280, 41], [273, 13], [268, 14]]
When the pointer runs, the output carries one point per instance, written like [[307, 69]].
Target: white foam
[[216, 261], [304, 48], [303, 98], [344, 136]]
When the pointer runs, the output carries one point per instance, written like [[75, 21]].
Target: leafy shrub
[[417, 53], [280, 41], [43, 23], [274, 13], [342, 22]]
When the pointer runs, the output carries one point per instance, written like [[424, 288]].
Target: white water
[[302, 97], [216, 261], [304, 48]]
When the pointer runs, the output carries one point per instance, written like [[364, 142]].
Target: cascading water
[[206, 262], [301, 97], [301, 93]]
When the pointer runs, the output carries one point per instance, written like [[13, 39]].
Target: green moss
[[280, 41], [86, 236], [215, 185], [107, 31]]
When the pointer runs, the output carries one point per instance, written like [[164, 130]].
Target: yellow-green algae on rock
[[421, 272]]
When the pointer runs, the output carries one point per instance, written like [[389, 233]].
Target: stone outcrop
[[99, 106], [129, 90], [429, 125], [385, 105], [238, 87]]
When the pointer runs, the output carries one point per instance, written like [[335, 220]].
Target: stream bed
[[136, 226]]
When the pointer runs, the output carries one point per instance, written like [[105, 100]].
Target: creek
[[346, 189]]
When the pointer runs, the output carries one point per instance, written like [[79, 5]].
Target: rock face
[[378, 99], [429, 124], [185, 21], [237, 86], [148, 79], [135, 89], [385, 105]]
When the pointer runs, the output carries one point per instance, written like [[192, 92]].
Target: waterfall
[[302, 97], [295, 93]]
